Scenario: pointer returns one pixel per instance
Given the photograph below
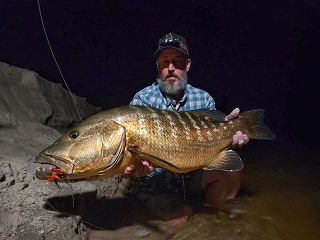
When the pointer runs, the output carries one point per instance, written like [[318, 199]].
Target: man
[[162, 190]]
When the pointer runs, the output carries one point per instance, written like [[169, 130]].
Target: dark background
[[246, 54]]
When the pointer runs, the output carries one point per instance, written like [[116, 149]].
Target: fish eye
[[73, 135]]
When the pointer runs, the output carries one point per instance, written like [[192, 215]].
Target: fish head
[[89, 149]]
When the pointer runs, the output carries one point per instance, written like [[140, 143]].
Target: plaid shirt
[[193, 99], [162, 180]]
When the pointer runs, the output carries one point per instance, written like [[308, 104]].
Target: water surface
[[279, 200]]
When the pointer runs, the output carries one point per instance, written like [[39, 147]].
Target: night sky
[[246, 54]]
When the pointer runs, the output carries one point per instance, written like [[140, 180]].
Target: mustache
[[171, 75]]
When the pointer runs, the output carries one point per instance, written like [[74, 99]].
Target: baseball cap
[[172, 40]]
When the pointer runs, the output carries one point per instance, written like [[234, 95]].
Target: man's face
[[173, 67]]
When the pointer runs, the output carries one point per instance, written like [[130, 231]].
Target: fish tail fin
[[257, 128]]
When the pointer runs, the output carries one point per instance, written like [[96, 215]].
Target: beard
[[172, 88]]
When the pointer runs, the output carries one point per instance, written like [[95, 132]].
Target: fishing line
[[68, 214], [183, 187], [68, 183], [73, 205], [73, 202], [61, 74], [55, 60], [72, 194], [74, 102]]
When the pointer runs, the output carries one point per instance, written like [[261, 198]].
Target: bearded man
[[163, 191]]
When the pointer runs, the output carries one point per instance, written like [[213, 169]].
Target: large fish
[[105, 143]]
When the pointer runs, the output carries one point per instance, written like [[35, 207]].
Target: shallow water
[[279, 199]]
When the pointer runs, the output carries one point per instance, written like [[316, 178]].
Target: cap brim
[[157, 53]]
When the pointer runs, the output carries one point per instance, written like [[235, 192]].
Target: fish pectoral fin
[[153, 159], [228, 160]]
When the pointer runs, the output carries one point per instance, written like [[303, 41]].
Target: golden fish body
[[105, 143]]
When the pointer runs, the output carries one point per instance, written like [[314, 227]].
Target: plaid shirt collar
[[173, 102]]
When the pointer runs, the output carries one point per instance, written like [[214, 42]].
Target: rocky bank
[[34, 112]]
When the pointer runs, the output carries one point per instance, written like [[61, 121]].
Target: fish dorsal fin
[[151, 158], [228, 160], [214, 115]]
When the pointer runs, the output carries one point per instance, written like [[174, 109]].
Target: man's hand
[[239, 139], [139, 169], [234, 114]]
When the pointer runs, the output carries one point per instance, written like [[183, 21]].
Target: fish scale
[[178, 141]]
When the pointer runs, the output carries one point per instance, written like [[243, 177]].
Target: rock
[[27, 97], [33, 113]]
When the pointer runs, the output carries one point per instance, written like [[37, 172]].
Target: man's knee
[[234, 177], [221, 185], [226, 177]]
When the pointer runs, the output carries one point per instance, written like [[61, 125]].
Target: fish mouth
[[56, 164]]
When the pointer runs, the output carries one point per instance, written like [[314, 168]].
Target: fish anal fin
[[228, 160], [153, 159]]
